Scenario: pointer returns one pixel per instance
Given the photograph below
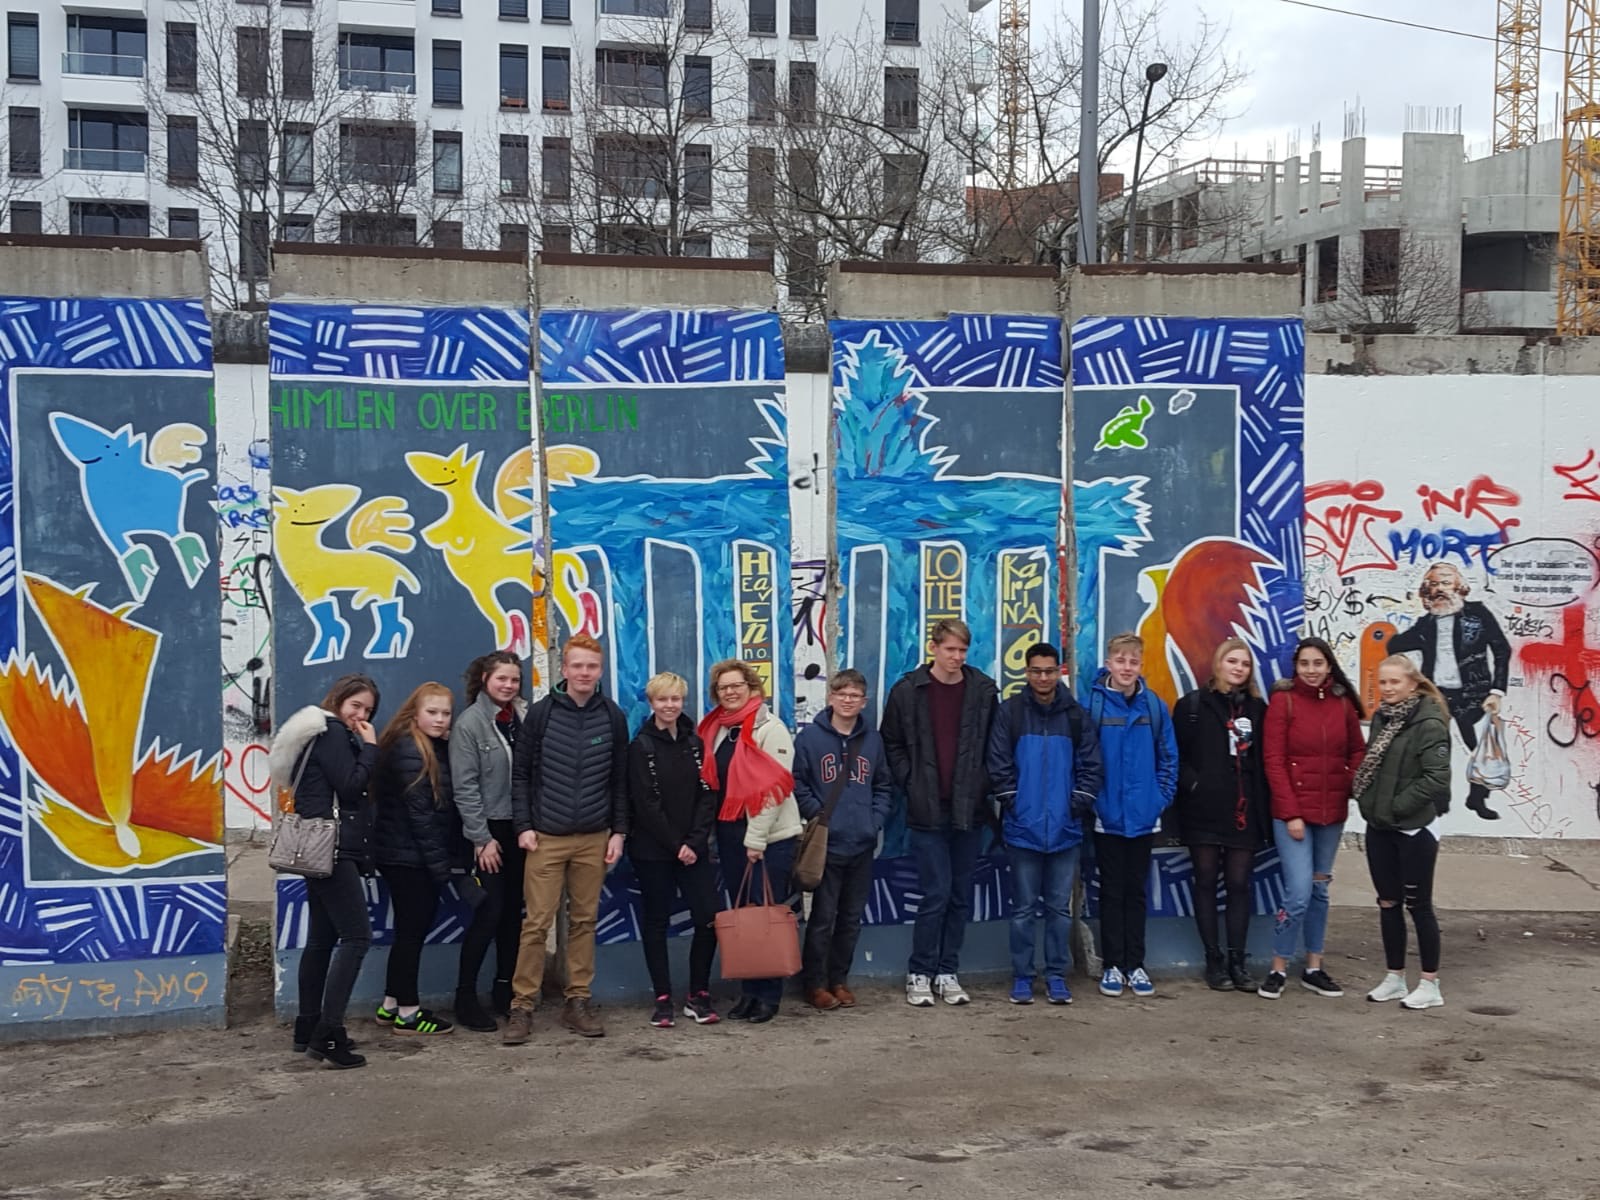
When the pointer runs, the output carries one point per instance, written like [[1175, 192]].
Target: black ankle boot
[[470, 1013], [1217, 978], [500, 997], [1237, 975], [1478, 802], [304, 1027], [332, 1048]]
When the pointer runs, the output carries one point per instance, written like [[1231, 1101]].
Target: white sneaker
[[1426, 995], [919, 991], [950, 989], [1393, 987]]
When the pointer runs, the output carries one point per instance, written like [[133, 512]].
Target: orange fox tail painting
[[106, 802], [1203, 596]]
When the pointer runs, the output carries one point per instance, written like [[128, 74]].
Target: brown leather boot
[[519, 1027], [845, 997], [582, 1019], [822, 998]]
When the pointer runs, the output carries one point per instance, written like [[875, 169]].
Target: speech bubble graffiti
[[1543, 572]]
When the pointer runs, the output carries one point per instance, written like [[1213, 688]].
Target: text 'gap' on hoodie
[[821, 753]]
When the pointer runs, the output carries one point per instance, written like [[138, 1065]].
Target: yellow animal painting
[[318, 571]]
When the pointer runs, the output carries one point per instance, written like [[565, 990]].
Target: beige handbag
[[303, 845]]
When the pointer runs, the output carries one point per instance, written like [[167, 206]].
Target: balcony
[[355, 79], [80, 158], [106, 175], [102, 80], [122, 66], [378, 15], [904, 33]]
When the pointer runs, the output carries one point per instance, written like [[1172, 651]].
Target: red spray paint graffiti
[[1572, 667]]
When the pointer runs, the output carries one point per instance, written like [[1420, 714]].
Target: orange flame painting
[[105, 804]]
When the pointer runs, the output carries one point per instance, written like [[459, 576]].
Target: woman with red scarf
[[749, 756]]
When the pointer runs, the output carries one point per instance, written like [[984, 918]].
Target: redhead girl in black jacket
[[1222, 801], [419, 844], [333, 766]]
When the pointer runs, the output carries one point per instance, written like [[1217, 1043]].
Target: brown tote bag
[[758, 941]]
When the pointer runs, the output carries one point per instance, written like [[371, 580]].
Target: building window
[[900, 21], [513, 10], [556, 167], [445, 235], [696, 86], [632, 78], [183, 224], [697, 15], [697, 176], [447, 73], [803, 93], [636, 8], [299, 156], [254, 154], [107, 141], [763, 16], [514, 237], [900, 173], [631, 166], [183, 57], [630, 239], [447, 164], [556, 239], [22, 48], [376, 62], [1380, 262], [23, 145], [377, 229], [255, 245], [802, 166], [27, 216], [105, 46], [804, 271], [763, 91], [761, 171], [297, 227], [252, 60], [556, 11], [557, 76], [802, 18], [761, 249], [92, 219], [900, 97], [513, 165], [899, 249], [297, 68], [696, 245], [183, 151], [447, 8], [385, 155], [513, 77]]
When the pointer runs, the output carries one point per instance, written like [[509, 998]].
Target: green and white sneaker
[[424, 1022]]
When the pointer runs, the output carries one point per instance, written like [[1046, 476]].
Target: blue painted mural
[[112, 899]]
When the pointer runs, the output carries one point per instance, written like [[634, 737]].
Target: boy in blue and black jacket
[[1044, 761], [840, 768], [1141, 778]]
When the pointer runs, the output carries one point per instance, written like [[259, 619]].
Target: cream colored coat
[[776, 822]]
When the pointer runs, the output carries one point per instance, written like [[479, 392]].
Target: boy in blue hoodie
[[840, 770], [1044, 762], [1141, 778]]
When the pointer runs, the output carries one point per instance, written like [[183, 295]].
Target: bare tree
[[1402, 281]]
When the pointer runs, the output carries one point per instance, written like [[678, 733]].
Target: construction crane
[[1578, 252], [1012, 52], [1516, 75]]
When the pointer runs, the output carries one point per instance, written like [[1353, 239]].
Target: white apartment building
[[605, 125]]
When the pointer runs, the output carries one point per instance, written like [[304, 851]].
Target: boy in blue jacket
[[840, 769], [1044, 761], [1141, 778]]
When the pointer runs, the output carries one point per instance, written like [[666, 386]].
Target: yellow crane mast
[[1516, 75], [1578, 253]]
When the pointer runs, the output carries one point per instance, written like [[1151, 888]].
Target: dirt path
[[1206, 1094]]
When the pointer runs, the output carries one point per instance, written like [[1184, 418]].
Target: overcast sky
[[1307, 66]]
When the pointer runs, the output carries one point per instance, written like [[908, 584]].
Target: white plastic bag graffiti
[[1490, 765]]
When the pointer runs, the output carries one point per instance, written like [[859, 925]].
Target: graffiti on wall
[[1482, 569], [111, 806]]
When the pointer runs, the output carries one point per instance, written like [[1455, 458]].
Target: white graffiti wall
[[1457, 519]]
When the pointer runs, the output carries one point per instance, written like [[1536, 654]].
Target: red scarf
[[755, 778]]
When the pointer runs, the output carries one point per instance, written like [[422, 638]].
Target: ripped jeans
[[1307, 870]]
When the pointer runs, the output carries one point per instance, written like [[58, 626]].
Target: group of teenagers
[[512, 807]]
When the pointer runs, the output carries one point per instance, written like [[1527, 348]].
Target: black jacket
[[669, 804], [1483, 655], [411, 828], [1210, 778], [342, 764], [908, 741], [569, 772]]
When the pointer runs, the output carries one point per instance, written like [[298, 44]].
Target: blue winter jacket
[[1044, 761], [1140, 755], [820, 752]]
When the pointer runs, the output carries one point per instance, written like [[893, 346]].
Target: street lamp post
[[1152, 76]]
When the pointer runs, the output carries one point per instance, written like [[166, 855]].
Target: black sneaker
[[1320, 982], [1272, 986], [422, 1022], [661, 1018], [698, 1006]]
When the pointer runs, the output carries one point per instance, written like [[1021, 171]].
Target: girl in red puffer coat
[[1312, 746]]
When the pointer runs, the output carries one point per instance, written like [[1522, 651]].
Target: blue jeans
[[1050, 878], [946, 859], [1305, 897]]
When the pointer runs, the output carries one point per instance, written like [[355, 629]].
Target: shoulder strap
[[1157, 709], [1075, 721], [1097, 707]]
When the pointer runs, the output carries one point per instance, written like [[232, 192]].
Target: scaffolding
[[1516, 75], [1014, 92], [1578, 255]]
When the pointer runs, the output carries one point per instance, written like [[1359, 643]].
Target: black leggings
[[414, 895], [1402, 873], [660, 885], [498, 920], [1233, 863], [340, 931]]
